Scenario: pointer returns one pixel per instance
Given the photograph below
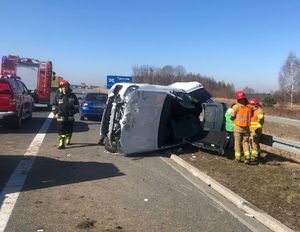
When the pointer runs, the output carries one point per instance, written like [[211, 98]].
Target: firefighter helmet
[[240, 95], [254, 101], [64, 83]]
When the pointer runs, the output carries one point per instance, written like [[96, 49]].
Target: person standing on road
[[256, 125], [241, 115], [65, 105], [229, 126]]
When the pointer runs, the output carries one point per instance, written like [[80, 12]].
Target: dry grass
[[273, 185]]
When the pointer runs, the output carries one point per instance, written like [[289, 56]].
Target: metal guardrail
[[282, 144], [281, 120], [279, 143]]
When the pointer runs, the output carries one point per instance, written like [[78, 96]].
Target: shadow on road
[[48, 172], [76, 145], [33, 126]]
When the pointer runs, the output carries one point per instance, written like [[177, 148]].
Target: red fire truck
[[36, 75]]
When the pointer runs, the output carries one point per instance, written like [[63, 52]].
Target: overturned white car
[[142, 118]]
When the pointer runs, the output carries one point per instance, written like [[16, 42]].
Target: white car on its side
[[142, 118]]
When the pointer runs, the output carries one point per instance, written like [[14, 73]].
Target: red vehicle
[[16, 102], [36, 75]]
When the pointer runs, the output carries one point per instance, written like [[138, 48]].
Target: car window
[[4, 88], [96, 97], [201, 96], [22, 87], [15, 86], [130, 90]]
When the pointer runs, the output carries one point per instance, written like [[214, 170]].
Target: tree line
[[288, 80], [170, 74]]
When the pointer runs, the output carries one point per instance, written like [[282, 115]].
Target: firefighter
[[65, 105], [229, 126], [241, 115], [257, 122]]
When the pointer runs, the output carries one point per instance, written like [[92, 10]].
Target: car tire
[[111, 147], [81, 118]]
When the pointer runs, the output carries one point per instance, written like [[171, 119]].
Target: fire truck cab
[[36, 74]]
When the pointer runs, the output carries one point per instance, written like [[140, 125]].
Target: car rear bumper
[[91, 113]]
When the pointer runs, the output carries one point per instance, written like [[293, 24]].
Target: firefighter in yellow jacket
[[257, 122], [65, 105], [241, 115]]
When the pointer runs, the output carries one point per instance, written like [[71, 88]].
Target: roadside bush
[[269, 101]]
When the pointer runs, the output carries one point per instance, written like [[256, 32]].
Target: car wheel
[[82, 118], [111, 147]]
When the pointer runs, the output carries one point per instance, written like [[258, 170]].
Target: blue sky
[[242, 42]]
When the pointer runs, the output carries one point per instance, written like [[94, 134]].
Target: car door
[[212, 135], [27, 99]]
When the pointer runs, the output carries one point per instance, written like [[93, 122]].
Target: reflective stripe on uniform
[[60, 119], [71, 118], [243, 116], [237, 154], [254, 153]]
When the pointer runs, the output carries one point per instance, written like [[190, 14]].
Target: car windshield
[[96, 97]]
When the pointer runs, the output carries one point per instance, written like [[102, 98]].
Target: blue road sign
[[111, 80]]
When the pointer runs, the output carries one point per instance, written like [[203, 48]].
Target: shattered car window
[[185, 100], [130, 90]]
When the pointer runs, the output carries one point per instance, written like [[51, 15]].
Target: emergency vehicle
[[37, 76]]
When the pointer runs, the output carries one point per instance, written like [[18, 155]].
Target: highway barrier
[[279, 143]]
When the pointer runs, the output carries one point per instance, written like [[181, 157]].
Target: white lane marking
[[11, 191]]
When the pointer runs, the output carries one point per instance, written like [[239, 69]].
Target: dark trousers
[[64, 128]]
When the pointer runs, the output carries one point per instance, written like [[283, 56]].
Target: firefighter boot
[[247, 157], [237, 157], [254, 157], [61, 144], [68, 139]]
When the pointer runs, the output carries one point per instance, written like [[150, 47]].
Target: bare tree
[[248, 90], [289, 76], [180, 71]]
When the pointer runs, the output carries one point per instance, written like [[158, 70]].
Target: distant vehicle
[[16, 102], [142, 118], [36, 74], [92, 105]]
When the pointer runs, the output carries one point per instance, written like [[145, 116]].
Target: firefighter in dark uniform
[[65, 105]]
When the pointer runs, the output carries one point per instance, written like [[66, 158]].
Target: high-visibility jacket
[[257, 119], [243, 115], [229, 126]]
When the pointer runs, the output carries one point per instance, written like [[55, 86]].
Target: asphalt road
[[85, 188]]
